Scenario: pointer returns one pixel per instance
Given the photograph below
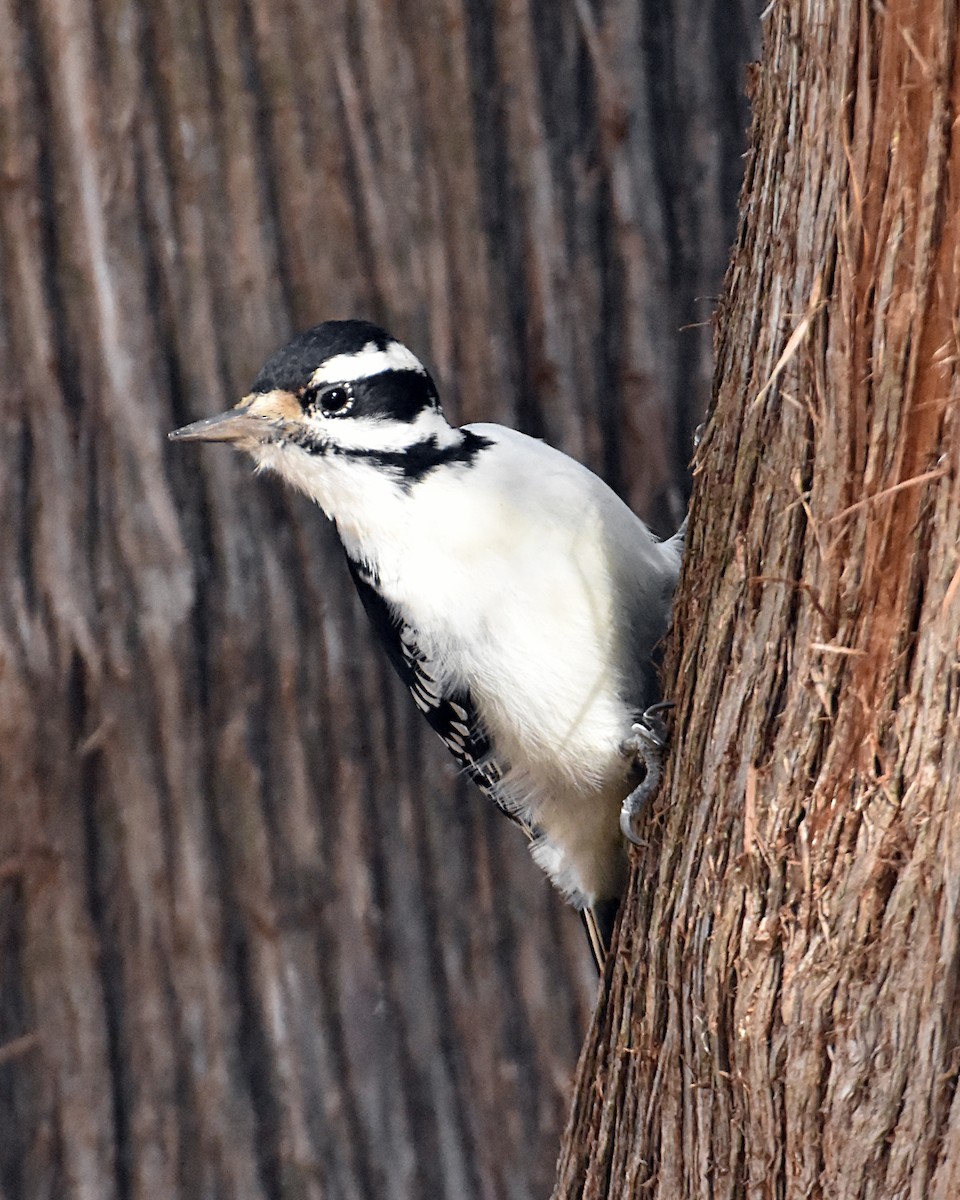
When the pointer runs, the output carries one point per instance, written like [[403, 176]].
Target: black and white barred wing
[[451, 714]]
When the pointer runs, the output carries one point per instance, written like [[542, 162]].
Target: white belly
[[511, 577], [544, 665]]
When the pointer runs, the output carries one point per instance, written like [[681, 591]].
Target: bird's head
[[340, 396]]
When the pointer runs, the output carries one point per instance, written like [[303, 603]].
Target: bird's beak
[[242, 424]]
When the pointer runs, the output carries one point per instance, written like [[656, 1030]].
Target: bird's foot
[[647, 745]]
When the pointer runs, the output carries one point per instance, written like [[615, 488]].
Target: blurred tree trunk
[[257, 939], [783, 1017]]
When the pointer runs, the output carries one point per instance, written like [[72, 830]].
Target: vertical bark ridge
[[783, 1000]]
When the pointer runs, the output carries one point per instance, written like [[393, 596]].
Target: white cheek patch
[[378, 434], [347, 368]]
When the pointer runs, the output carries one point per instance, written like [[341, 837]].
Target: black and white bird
[[517, 596]]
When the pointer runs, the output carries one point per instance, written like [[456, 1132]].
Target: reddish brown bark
[[782, 1018]]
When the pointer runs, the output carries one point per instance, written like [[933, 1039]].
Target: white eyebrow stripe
[[347, 368]]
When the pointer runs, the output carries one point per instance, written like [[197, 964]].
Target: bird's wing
[[451, 714]]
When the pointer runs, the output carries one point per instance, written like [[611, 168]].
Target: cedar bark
[[782, 1018], [257, 939]]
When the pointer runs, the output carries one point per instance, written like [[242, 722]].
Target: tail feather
[[599, 921]]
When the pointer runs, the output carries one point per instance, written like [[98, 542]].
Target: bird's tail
[[598, 921]]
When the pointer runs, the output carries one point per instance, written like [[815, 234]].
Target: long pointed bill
[[236, 425]]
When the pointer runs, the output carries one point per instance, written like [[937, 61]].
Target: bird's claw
[[647, 742]]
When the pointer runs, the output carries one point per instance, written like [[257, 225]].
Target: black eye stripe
[[399, 395]]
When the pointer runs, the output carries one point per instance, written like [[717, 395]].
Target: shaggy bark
[[257, 939], [782, 1018]]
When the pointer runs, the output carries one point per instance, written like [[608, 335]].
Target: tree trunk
[[783, 1016], [257, 938]]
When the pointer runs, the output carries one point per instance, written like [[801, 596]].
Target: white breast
[[531, 584], [512, 570]]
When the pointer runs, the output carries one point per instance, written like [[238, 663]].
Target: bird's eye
[[332, 399]]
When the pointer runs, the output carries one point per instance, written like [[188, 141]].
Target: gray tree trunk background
[[257, 940]]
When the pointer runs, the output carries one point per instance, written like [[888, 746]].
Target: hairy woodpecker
[[518, 598]]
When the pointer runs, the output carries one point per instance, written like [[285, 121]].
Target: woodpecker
[[519, 599]]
